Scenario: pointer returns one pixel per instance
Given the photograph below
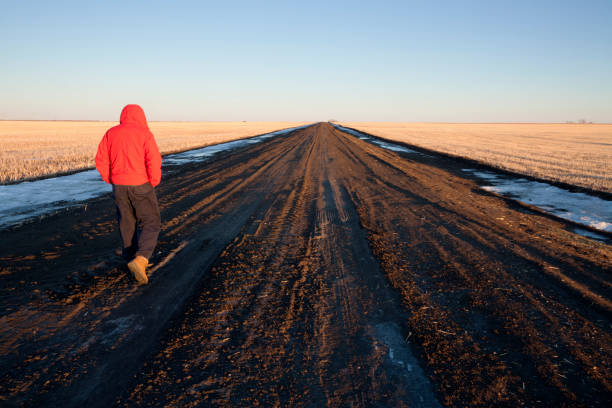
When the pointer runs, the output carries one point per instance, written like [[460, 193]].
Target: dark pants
[[139, 220]]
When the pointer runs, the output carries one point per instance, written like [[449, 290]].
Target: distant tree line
[[581, 122]]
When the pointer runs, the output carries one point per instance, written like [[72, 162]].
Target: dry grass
[[31, 149], [577, 154]]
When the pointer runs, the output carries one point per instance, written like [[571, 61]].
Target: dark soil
[[314, 269]]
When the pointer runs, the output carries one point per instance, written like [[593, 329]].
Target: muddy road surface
[[315, 269]]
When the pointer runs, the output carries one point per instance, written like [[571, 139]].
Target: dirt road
[[314, 269]]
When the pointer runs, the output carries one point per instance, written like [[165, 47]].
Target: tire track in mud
[[313, 269]]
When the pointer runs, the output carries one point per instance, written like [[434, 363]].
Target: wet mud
[[315, 269]]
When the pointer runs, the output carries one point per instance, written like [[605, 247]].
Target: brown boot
[[138, 267]]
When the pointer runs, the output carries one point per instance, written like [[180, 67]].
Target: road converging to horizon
[[309, 270]]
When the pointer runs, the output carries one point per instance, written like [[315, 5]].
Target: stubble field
[[33, 149], [575, 154]]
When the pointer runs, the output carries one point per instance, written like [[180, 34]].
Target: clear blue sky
[[466, 61]]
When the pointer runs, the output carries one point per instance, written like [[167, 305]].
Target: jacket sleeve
[[102, 160], [153, 161]]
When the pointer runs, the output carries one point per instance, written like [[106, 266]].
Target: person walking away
[[129, 159]]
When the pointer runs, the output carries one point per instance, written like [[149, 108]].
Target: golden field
[[31, 149], [577, 154]]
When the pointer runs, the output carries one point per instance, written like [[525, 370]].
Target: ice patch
[[394, 147], [577, 207], [30, 199], [591, 234], [352, 132]]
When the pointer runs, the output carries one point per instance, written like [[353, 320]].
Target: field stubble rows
[[576, 154]]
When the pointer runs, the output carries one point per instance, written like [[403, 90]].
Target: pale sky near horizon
[[440, 61]]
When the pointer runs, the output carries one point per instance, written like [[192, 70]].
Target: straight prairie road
[[314, 269]]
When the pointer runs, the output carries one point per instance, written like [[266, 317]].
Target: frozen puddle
[[577, 207], [378, 142], [19, 202], [591, 234], [30, 199]]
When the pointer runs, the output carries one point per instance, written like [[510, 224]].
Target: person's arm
[[102, 160], [153, 161]]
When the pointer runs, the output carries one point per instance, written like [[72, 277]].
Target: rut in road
[[295, 311]]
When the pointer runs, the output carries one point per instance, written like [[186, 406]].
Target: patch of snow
[[30, 199], [602, 225], [577, 207], [394, 147], [360, 135]]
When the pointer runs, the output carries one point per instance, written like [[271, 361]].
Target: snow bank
[[578, 207]]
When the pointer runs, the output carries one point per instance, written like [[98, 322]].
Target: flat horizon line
[[315, 121]]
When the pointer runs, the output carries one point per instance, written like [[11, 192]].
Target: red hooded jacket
[[128, 154]]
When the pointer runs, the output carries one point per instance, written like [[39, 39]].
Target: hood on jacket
[[133, 114]]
